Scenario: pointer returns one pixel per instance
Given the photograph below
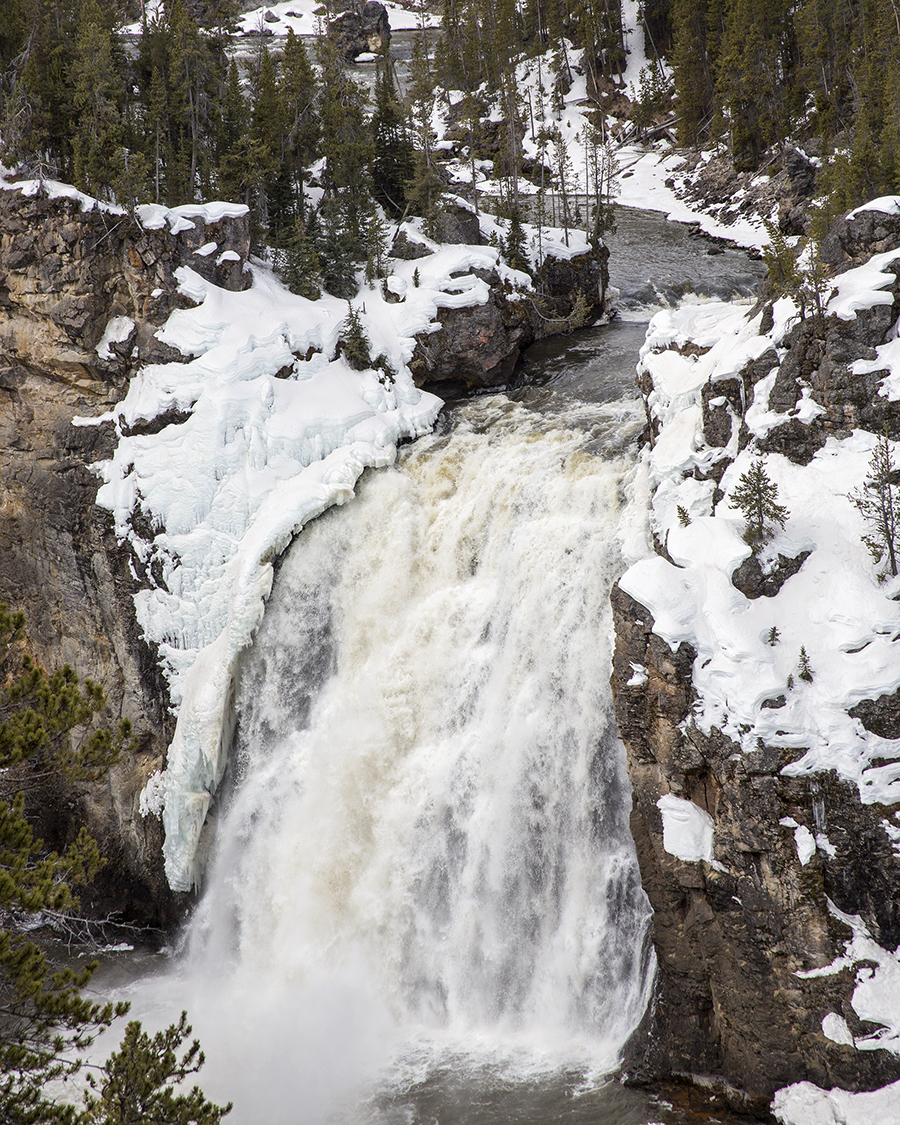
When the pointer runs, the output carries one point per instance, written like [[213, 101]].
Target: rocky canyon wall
[[68, 269], [749, 935]]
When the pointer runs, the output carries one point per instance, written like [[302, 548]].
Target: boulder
[[360, 29]]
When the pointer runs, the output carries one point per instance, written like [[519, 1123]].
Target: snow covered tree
[[879, 504], [756, 495]]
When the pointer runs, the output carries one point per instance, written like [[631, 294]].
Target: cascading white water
[[424, 838]]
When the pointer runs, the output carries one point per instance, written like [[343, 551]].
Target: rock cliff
[[756, 989], [68, 270]]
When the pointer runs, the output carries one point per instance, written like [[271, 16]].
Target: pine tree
[[755, 76], [515, 244], [339, 249], [298, 95], [98, 96], [139, 1082], [878, 502], [302, 269], [346, 141], [48, 728], [756, 496], [45, 1019], [353, 341], [392, 160]]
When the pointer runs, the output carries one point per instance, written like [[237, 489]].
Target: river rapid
[[423, 905]]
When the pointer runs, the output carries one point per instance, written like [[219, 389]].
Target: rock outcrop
[[362, 28], [66, 274], [477, 348], [742, 941]]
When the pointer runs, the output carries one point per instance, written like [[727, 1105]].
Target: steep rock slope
[[756, 690], [83, 289]]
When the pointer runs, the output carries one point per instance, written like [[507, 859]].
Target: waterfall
[[422, 845]]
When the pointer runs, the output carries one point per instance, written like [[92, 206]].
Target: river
[[423, 905]]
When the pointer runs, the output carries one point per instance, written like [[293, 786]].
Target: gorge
[[422, 861]]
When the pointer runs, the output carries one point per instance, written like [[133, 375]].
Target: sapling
[[756, 496], [774, 637], [879, 505], [805, 671], [684, 516]]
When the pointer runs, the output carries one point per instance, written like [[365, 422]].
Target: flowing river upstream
[[422, 905]]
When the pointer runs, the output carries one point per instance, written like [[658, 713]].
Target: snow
[[834, 1027], [55, 190], [117, 331], [306, 17], [806, 1104], [639, 675], [154, 216], [687, 829], [806, 844], [834, 607]]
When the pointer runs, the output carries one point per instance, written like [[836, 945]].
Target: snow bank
[[806, 1104], [276, 431]]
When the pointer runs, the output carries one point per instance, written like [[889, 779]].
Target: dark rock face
[[64, 274], [726, 192], [731, 1013], [754, 582], [477, 348], [362, 27]]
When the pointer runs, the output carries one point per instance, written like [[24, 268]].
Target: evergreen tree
[[878, 502], [756, 495], [696, 35], [302, 269], [339, 249], [48, 728], [299, 93], [346, 142], [139, 1082], [353, 342], [514, 246], [392, 160], [755, 76], [43, 1017], [98, 96]]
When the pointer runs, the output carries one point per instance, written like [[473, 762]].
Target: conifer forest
[[170, 116]]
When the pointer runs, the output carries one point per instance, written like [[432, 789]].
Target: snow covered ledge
[[276, 432]]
